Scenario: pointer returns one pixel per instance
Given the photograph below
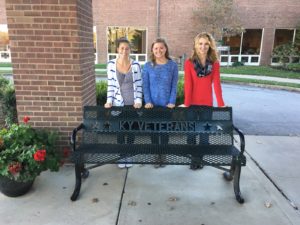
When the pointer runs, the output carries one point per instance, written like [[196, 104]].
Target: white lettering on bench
[[157, 126]]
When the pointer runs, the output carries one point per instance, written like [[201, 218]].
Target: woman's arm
[[110, 83], [188, 84], [217, 84], [174, 82], [138, 85], [146, 84]]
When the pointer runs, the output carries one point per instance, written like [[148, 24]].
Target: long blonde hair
[[212, 53]]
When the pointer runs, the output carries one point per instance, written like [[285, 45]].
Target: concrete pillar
[[53, 61]]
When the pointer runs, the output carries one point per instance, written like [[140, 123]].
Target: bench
[[197, 136]]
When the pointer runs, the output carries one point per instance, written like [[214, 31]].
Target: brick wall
[[2, 12], [122, 13], [178, 25], [53, 61]]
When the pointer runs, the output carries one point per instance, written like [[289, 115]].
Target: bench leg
[[80, 172], [236, 184], [234, 174], [195, 164], [229, 175]]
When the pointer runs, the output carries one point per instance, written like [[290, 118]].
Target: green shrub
[[180, 92], [101, 91], [235, 64], [8, 97], [284, 51], [100, 66], [294, 67]]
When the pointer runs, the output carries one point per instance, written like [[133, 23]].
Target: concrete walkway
[[174, 195]]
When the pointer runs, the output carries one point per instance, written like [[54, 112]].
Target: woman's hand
[[149, 106], [137, 105], [107, 105], [170, 106]]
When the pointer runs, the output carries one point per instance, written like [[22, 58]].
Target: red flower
[[1, 143], [26, 119], [14, 167], [39, 155], [66, 152]]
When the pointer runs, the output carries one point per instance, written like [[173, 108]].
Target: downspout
[[158, 18]]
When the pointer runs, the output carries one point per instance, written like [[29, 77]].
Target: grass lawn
[[260, 70], [258, 81]]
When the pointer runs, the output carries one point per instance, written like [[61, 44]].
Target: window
[[4, 40], [234, 43], [283, 36], [251, 42], [136, 37]]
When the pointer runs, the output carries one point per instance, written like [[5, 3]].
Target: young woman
[[201, 71], [160, 77], [124, 83]]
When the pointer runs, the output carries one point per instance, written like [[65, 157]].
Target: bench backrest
[[179, 126]]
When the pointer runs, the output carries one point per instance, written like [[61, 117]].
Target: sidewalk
[[171, 195]]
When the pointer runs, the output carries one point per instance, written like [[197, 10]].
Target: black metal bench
[[195, 136]]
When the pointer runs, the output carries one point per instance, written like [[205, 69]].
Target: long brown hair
[[212, 53], [159, 40]]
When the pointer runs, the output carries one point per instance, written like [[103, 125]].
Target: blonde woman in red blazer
[[201, 71], [201, 75]]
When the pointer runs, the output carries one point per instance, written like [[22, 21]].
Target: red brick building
[[267, 23]]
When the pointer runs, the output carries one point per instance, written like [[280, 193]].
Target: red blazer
[[198, 90]]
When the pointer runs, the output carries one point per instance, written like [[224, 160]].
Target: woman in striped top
[[124, 86]]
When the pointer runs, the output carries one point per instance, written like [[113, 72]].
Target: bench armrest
[[242, 139], [73, 136]]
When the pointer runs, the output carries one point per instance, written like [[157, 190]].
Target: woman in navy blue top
[[160, 77]]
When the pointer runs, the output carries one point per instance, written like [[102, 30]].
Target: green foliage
[[260, 70], [101, 92], [100, 66], [180, 92], [284, 51], [8, 97], [5, 64], [293, 67], [25, 152], [236, 64]]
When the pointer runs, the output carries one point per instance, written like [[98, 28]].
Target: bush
[[236, 64], [180, 92], [294, 67], [101, 92], [8, 97], [284, 51]]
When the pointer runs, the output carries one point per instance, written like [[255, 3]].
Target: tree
[[218, 17]]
